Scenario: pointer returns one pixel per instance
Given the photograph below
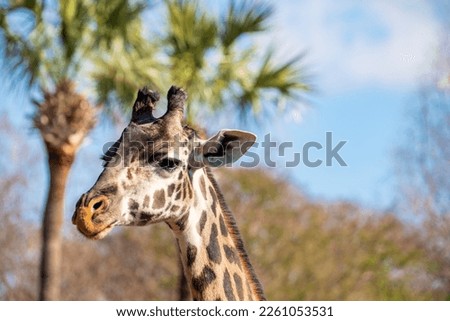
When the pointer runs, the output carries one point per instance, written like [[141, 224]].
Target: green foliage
[[67, 41], [192, 32], [243, 18], [201, 52], [103, 44], [118, 19], [304, 250], [74, 25], [205, 56], [282, 77], [119, 72]]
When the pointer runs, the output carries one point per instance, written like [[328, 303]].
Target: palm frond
[[103, 42], [25, 47], [191, 33], [117, 75], [284, 77], [117, 19], [283, 80], [190, 28], [243, 18], [74, 22]]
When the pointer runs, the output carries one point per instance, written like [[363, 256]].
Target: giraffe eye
[[169, 164]]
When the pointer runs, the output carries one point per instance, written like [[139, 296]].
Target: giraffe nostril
[[98, 205]]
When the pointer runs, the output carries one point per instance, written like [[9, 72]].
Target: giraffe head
[[147, 175]]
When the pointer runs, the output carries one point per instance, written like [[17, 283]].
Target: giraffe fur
[[159, 171]]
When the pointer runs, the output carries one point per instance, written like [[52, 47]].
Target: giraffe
[[159, 171]]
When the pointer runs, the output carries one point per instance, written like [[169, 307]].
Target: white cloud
[[353, 43]]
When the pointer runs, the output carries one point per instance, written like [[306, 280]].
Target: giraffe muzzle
[[88, 219]]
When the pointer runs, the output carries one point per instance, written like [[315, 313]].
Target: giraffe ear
[[224, 148]]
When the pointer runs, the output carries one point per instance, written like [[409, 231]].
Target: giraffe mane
[[230, 222]]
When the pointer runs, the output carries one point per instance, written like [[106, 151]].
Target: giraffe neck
[[214, 260]]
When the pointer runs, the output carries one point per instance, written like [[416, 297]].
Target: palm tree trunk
[[50, 270]]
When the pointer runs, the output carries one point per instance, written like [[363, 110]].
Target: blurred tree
[[55, 44], [18, 277], [317, 251], [215, 58], [423, 162], [129, 265], [48, 46], [19, 242]]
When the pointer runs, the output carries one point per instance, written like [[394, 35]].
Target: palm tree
[[52, 46], [215, 59], [101, 44], [193, 35]]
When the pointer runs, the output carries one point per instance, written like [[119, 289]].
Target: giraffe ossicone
[[159, 171]]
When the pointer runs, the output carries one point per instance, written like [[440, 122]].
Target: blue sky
[[366, 58]]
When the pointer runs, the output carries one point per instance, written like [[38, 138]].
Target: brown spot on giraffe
[[202, 221], [214, 200], [146, 216], [206, 277], [146, 203], [231, 255], [223, 228], [191, 254], [159, 199], [213, 248], [181, 223], [227, 287], [170, 190], [133, 205], [238, 284]]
